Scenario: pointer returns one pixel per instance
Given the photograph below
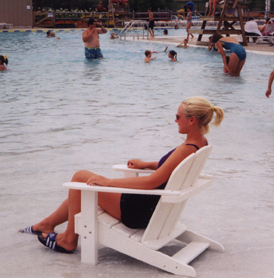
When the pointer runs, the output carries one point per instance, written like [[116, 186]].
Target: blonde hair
[[203, 111]]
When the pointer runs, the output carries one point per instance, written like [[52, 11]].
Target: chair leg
[[189, 236]]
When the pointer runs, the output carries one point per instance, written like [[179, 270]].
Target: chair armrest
[[168, 196], [84, 187], [129, 172], [201, 184]]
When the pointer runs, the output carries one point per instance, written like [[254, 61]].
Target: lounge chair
[[267, 38], [165, 226], [4, 25]]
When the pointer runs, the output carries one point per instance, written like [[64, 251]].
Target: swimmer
[[172, 55], [3, 60], [148, 56], [91, 39], [113, 36], [51, 34], [165, 32], [183, 44], [237, 56]]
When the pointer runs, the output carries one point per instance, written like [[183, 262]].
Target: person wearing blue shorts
[[92, 40]]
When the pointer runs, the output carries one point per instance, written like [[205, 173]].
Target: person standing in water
[[91, 39], [237, 56], [151, 23]]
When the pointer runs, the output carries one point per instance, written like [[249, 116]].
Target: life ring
[[191, 4]]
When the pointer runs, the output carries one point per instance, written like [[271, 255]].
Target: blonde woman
[[193, 118]]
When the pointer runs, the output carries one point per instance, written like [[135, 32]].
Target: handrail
[[124, 31]]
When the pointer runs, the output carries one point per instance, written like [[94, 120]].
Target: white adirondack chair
[[97, 226]]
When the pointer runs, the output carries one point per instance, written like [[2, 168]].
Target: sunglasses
[[177, 117]]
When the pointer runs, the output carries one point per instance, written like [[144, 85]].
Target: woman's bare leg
[[210, 7], [109, 202], [187, 29], [56, 218], [214, 4], [233, 63], [240, 66]]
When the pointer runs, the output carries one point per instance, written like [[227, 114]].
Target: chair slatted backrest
[[269, 28], [167, 215]]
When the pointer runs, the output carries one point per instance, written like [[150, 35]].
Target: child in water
[[183, 44], [3, 60], [172, 55], [51, 34], [148, 56], [113, 36]]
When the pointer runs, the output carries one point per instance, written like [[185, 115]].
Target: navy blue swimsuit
[[137, 209]]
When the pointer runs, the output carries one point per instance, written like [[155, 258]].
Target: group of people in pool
[[171, 54], [193, 117], [232, 64]]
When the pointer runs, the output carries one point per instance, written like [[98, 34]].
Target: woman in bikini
[[193, 117], [237, 56]]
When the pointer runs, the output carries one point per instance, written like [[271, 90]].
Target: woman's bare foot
[[43, 227]]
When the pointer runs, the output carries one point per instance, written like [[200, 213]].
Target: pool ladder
[[139, 23]]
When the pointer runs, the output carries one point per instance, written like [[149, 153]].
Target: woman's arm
[[270, 81], [221, 50], [160, 176], [139, 164]]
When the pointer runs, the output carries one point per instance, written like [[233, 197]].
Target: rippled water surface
[[60, 113]]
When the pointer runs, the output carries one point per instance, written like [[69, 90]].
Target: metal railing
[[139, 23]]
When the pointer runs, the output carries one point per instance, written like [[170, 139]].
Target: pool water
[[61, 113]]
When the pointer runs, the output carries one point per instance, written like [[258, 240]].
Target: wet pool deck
[[254, 47]]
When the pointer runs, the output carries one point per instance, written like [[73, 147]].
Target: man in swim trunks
[[151, 23], [91, 39]]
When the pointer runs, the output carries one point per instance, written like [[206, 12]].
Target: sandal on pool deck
[[51, 243], [29, 230]]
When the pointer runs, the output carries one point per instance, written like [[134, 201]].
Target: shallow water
[[60, 113]]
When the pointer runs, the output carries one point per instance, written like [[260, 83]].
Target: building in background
[[16, 12]]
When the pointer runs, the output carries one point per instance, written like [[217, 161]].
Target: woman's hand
[[136, 164], [97, 179], [227, 70]]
